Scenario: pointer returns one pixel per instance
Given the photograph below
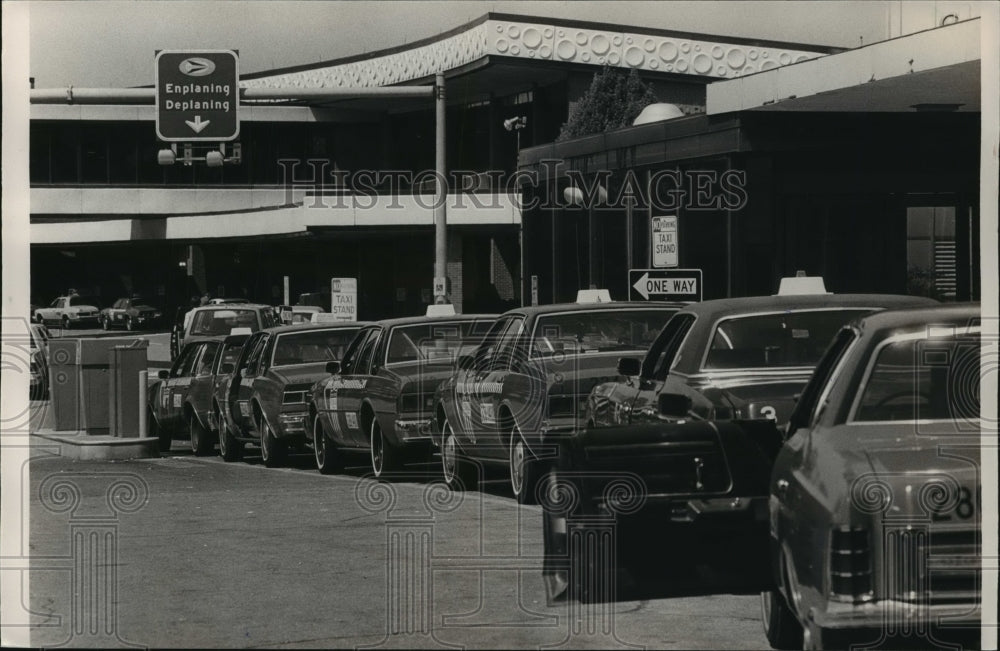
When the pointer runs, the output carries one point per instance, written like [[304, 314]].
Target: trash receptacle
[[126, 397], [64, 379], [95, 381]]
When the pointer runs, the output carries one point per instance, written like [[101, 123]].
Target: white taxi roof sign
[[440, 309], [802, 284], [593, 296], [242, 330]]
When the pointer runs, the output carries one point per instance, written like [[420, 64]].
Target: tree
[[613, 100]]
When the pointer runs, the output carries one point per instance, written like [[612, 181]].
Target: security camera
[[515, 123]]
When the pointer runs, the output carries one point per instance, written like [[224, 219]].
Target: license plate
[[245, 408]]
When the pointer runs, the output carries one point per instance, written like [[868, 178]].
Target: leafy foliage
[[613, 100]]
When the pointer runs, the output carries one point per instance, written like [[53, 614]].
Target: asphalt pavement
[[195, 552]]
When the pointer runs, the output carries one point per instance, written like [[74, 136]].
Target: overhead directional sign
[[197, 95], [665, 284]]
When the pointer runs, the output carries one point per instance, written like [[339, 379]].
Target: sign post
[[665, 284], [664, 241], [197, 95], [344, 299]]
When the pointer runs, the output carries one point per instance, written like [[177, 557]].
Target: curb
[[85, 447]]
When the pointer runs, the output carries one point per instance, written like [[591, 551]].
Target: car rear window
[[775, 340], [437, 342], [598, 331], [312, 346], [222, 322], [924, 379]]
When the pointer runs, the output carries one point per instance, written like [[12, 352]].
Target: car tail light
[[850, 565], [562, 406], [415, 402]]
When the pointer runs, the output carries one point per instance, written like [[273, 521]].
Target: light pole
[[515, 124]]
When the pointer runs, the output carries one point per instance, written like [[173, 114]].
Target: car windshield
[[597, 332], [924, 379], [775, 340], [436, 342], [313, 346], [222, 322]]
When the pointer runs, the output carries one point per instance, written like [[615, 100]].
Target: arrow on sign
[[640, 286], [646, 286], [197, 125]]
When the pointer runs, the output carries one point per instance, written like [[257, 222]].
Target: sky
[[97, 43]]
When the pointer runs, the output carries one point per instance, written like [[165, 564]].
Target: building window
[[931, 268]]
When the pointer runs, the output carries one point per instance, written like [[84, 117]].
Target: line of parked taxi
[[836, 435]]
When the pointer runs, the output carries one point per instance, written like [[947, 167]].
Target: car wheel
[[525, 470], [328, 459], [386, 457], [782, 629], [459, 473], [271, 449], [201, 442], [39, 320], [65, 323], [156, 432], [229, 448]]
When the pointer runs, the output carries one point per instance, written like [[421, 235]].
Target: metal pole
[[71, 95], [440, 216], [143, 388]]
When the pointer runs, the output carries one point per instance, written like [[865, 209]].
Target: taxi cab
[[378, 399], [693, 427], [526, 384], [875, 503]]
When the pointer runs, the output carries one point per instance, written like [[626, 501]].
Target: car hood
[[145, 309]]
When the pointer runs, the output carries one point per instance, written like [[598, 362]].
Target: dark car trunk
[[693, 459]]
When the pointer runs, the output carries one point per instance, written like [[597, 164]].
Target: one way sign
[[665, 284]]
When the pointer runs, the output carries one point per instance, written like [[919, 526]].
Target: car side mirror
[[333, 368], [227, 368], [163, 375], [629, 366], [674, 405]]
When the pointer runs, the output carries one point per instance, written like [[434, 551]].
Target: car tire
[[272, 451], [525, 470], [386, 457], [155, 431], [39, 320], [782, 629], [65, 323], [459, 473], [328, 457], [229, 448], [201, 442]]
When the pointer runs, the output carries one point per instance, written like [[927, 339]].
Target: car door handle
[[781, 486]]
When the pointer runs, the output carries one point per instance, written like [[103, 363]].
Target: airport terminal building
[[861, 165]]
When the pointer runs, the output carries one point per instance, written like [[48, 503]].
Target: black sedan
[[686, 439]]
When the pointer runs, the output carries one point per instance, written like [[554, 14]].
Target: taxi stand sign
[[197, 95], [665, 284]]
